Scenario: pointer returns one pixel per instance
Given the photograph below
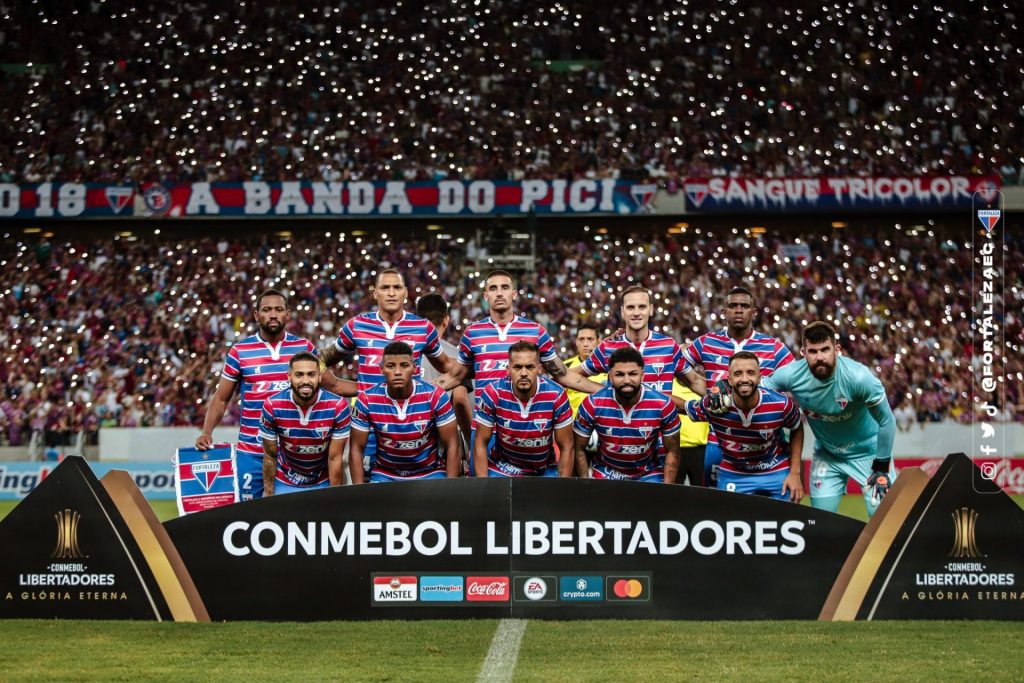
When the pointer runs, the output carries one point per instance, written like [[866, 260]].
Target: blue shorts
[[249, 472], [281, 488], [599, 471], [712, 459], [379, 477], [369, 454], [769, 485], [472, 442]]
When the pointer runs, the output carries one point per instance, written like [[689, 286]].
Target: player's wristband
[[881, 465]]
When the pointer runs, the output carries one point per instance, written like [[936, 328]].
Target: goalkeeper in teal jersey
[[849, 414]]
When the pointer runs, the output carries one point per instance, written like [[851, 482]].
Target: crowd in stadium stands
[[133, 332], [217, 90]]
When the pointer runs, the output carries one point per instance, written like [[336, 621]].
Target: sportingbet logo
[[394, 589], [488, 588], [441, 589]]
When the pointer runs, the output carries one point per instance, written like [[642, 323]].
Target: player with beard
[[259, 363], [304, 430], [630, 419], [411, 420], [849, 414], [713, 350], [527, 414], [750, 430], [485, 343]]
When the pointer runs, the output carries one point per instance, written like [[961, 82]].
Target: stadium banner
[[79, 548], [707, 195], [352, 198], [940, 547], [154, 479], [205, 479]]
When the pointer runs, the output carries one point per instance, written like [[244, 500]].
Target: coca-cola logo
[[488, 588]]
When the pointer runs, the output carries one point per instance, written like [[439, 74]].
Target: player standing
[[630, 419], [485, 343], [259, 363], [662, 355], [304, 430], [850, 417], [410, 419], [367, 334], [713, 350], [527, 414], [750, 434]]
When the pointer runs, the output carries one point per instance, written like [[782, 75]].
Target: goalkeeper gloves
[[878, 482], [718, 399]]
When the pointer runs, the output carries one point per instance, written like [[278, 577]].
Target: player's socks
[[830, 503]]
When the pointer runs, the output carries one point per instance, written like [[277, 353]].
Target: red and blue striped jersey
[[367, 335], [303, 435], [713, 350], [262, 369], [663, 359], [484, 347], [524, 434], [406, 431], [627, 438], [752, 443]]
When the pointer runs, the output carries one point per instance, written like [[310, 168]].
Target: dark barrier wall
[[526, 548]]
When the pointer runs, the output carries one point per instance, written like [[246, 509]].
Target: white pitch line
[[500, 663]]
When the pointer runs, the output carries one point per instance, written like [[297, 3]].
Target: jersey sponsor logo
[[581, 588], [309, 449], [738, 447], [413, 443], [488, 588], [629, 588], [527, 443], [394, 589], [442, 589], [269, 387], [840, 417], [629, 449], [492, 365]]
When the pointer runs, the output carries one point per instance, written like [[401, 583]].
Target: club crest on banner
[[118, 197], [644, 194], [989, 218], [696, 193]]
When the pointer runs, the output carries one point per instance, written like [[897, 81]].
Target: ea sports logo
[[536, 588]]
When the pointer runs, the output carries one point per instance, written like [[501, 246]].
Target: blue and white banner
[[154, 479]]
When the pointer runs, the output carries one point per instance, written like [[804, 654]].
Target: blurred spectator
[[118, 332], [212, 90]]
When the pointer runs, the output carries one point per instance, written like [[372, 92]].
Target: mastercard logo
[[627, 588]]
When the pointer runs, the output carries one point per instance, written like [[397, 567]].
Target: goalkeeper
[[849, 414]]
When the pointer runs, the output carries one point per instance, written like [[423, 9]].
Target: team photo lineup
[[516, 417]]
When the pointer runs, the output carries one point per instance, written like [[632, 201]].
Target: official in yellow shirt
[[587, 339], [693, 439]]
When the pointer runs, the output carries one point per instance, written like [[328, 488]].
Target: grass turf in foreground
[[454, 651], [771, 651], [243, 651]]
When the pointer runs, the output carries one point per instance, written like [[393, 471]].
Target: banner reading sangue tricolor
[[848, 194], [303, 198]]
